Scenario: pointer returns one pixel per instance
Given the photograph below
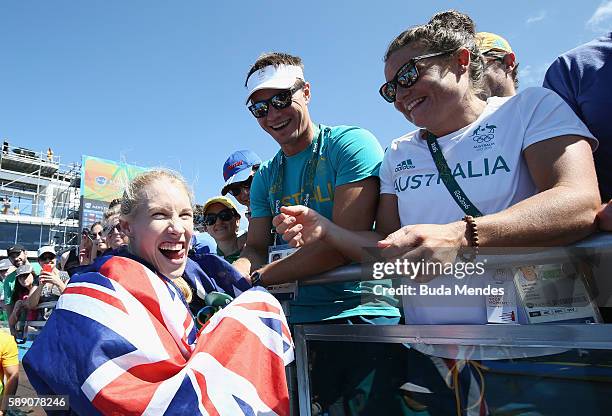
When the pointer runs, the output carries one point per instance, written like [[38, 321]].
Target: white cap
[[280, 77], [46, 249]]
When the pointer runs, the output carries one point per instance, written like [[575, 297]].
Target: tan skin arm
[[11, 373], [354, 208], [563, 212], [311, 226], [254, 253]]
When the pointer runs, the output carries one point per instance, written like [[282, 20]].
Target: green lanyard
[[447, 177], [308, 176]]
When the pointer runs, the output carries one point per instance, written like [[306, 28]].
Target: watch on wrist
[[256, 279]]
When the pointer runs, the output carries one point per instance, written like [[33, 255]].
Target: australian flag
[[122, 342]]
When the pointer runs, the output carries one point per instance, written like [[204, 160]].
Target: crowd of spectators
[[331, 190]]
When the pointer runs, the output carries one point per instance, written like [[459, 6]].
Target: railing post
[[301, 360]]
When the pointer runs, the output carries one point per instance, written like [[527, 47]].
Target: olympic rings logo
[[483, 139]]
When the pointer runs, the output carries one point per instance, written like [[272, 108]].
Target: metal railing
[[518, 341]]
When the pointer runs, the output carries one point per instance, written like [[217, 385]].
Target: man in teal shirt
[[331, 169]]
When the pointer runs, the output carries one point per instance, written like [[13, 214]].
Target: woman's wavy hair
[[449, 30]]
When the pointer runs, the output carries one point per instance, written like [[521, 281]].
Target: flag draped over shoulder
[[121, 341], [209, 272]]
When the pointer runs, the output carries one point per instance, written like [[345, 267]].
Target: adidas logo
[[406, 164]]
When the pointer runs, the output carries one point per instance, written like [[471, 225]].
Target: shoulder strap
[[447, 177]]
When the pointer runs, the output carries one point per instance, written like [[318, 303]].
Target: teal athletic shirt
[[348, 154]]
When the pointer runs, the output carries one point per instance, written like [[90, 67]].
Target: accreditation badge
[[284, 292], [502, 308], [555, 293]]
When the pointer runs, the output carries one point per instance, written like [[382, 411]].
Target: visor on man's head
[[280, 77]]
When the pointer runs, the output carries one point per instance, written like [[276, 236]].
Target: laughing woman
[[122, 340]]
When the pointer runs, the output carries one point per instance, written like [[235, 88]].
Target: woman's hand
[[51, 278], [430, 242], [300, 225]]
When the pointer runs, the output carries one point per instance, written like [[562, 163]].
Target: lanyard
[[308, 176], [447, 177]]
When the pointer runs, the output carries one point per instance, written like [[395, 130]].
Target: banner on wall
[[102, 181]]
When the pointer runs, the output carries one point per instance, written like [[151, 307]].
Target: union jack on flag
[[122, 342]]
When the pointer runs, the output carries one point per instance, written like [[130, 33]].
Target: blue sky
[[160, 83]]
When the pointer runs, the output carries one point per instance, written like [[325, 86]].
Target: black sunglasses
[[110, 228], [47, 257], [406, 76], [225, 215], [279, 101], [236, 189]]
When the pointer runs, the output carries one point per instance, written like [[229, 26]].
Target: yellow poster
[[105, 180]]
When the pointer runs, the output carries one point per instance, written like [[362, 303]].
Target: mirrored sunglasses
[[279, 101], [406, 76], [225, 215]]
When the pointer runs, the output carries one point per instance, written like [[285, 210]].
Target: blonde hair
[[133, 194], [184, 288]]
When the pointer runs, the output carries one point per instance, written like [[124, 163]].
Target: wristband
[[256, 279], [472, 235]]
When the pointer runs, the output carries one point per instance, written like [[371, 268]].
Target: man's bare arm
[[354, 209]]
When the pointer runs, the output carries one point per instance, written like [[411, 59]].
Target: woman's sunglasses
[[225, 215], [46, 257], [279, 101], [406, 76], [236, 190], [112, 228]]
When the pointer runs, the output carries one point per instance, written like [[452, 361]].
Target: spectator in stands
[[222, 222], [583, 78], [331, 169], [6, 205], [93, 244], [201, 242], [9, 369], [69, 260], [51, 282], [5, 269], [538, 191], [114, 237], [114, 208], [24, 286], [501, 68], [238, 171], [18, 257]]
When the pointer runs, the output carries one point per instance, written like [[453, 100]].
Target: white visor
[[276, 77]]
